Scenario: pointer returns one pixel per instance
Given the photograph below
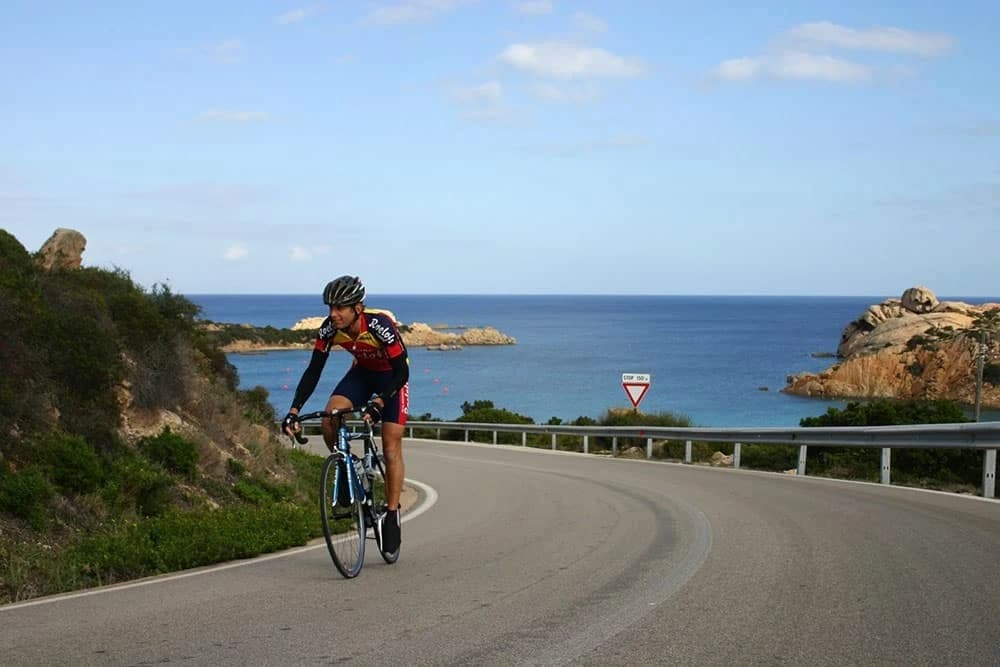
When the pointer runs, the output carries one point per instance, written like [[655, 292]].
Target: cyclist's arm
[[400, 375], [310, 378]]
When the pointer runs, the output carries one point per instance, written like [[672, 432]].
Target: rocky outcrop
[[63, 250], [420, 334], [912, 347]]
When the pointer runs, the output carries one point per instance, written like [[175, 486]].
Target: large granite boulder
[[881, 353], [919, 300], [63, 250]]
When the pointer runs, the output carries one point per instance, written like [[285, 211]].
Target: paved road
[[535, 557]]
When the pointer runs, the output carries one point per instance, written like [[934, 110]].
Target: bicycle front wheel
[[343, 525]]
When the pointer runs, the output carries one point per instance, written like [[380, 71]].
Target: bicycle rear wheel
[[376, 490], [343, 526]]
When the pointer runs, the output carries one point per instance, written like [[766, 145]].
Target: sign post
[[636, 385]]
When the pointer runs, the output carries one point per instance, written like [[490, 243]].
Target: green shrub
[[948, 465], [136, 484], [256, 406], [884, 412], [261, 492], [180, 540], [72, 462], [775, 458], [172, 451], [25, 494]]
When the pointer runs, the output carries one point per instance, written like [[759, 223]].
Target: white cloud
[[300, 254], [236, 253], [224, 116], [229, 51], [589, 22], [893, 40], [563, 60], [796, 65], [798, 54], [411, 11], [535, 8]]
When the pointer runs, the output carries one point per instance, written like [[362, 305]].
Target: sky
[[510, 146]]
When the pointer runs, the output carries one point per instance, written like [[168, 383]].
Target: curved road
[[536, 557]]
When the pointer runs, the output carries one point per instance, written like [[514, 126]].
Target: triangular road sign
[[635, 392]]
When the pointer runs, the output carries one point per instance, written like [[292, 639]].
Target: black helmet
[[344, 291]]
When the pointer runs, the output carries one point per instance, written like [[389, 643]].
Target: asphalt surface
[[515, 556]]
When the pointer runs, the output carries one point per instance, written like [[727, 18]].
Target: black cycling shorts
[[360, 384]]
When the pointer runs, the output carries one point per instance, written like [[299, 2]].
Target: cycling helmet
[[344, 291]]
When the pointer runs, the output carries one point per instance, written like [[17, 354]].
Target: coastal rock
[[63, 250], [421, 334], [919, 300], [890, 352]]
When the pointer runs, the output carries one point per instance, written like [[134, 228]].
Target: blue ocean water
[[710, 357]]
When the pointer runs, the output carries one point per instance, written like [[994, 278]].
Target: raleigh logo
[[384, 331]]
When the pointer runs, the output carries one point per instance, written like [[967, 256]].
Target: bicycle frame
[[344, 438]]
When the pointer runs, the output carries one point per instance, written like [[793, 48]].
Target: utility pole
[[980, 358]]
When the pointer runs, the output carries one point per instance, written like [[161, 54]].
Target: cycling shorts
[[360, 384]]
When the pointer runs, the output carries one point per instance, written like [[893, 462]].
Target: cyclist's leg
[[393, 421], [350, 391], [392, 449]]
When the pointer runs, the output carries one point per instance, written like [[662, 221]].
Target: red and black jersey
[[377, 343]]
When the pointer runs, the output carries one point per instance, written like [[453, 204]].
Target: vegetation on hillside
[[88, 497]]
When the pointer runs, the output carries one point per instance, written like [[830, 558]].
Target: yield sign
[[636, 385]]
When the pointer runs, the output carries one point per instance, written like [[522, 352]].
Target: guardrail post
[[989, 473], [439, 434], [524, 438], [614, 446], [801, 470], [886, 465], [553, 442], [736, 455], [649, 448], [494, 437], [466, 435], [687, 451], [586, 444]]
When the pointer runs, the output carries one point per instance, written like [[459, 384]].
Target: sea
[[721, 361]]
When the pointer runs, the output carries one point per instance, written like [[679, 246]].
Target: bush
[[884, 412], [172, 451], [181, 540], [261, 492], [73, 464], [946, 465], [256, 406], [991, 374], [136, 484], [25, 494]]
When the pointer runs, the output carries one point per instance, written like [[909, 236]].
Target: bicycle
[[352, 488]]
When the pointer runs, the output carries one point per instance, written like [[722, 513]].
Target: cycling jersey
[[378, 342]]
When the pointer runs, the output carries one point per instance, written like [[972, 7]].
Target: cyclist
[[378, 377]]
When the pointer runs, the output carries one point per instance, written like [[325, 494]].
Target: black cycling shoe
[[388, 533]]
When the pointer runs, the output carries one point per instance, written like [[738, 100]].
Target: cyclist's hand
[[372, 412], [290, 424]]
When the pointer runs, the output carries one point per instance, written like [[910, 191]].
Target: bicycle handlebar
[[323, 414]]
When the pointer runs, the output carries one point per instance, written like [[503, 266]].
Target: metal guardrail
[[980, 435]]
